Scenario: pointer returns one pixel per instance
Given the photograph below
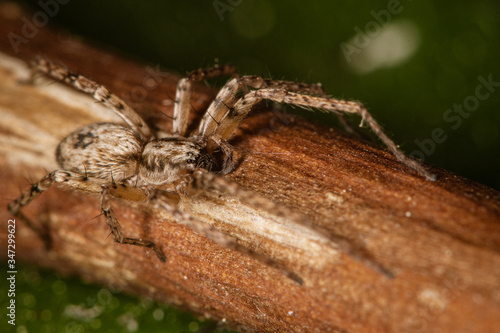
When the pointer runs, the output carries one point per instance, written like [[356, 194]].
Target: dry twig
[[378, 247]]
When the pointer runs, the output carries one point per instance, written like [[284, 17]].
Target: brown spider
[[128, 161]]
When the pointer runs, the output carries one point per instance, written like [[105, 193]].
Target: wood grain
[[378, 248]]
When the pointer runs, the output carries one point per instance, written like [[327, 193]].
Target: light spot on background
[[393, 45]]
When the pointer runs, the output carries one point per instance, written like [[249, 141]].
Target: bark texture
[[377, 247]]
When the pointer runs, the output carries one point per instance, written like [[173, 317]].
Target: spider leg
[[201, 181], [211, 72], [57, 176], [80, 182], [117, 230], [318, 91], [181, 107], [349, 128], [245, 104], [228, 96], [97, 91], [217, 145], [183, 94], [26, 197]]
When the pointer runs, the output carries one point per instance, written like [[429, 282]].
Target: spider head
[[167, 160]]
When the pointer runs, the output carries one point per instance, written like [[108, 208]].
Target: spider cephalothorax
[[98, 156]]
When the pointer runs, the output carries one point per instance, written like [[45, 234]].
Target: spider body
[[109, 152], [102, 157]]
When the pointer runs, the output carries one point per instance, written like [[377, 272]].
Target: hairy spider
[[112, 159]]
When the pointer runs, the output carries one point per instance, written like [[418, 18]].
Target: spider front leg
[[217, 146], [183, 94], [228, 96], [117, 230], [244, 105], [97, 91]]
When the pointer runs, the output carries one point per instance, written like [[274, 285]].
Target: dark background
[[448, 47]]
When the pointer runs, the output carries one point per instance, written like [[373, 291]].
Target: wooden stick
[[370, 245]]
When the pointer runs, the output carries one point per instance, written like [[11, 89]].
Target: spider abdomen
[[104, 150]]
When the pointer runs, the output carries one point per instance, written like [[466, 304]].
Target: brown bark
[[382, 249]]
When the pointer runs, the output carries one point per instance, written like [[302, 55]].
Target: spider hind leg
[[116, 229]]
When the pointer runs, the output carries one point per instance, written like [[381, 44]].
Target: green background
[[454, 43], [301, 40], [50, 303]]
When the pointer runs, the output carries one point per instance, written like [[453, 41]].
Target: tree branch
[[376, 246]]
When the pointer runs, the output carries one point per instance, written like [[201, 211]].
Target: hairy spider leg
[[77, 181], [97, 91], [58, 176], [243, 106], [183, 94], [229, 95], [117, 230]]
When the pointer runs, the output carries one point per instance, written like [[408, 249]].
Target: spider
[[128, 161]]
